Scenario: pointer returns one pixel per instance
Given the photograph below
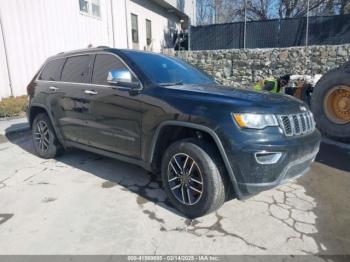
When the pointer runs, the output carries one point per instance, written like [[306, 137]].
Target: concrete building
[[32, 30]]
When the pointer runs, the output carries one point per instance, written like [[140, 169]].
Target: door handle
[[90, 92], [53, 88]]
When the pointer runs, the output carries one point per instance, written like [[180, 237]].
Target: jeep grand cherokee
[[209, 142]]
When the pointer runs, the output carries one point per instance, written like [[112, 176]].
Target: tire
[[45, 141], [207, 169], [328, 83]]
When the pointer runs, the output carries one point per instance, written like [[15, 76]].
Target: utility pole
[[245, 23], [126, 23], [189, 35], [6, 57], [112, 14], [307, 24], [215, 12]]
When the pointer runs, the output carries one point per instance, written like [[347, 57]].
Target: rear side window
[[76, 69], [52, 70], [103, 64]]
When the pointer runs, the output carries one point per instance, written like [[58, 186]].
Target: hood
[[258, 101]]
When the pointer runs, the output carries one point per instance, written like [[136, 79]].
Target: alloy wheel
[[185, 179], [42, 136]]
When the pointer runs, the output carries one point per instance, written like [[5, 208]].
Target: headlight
[[256, 121]]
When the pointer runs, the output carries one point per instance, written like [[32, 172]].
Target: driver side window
[[103, 64]]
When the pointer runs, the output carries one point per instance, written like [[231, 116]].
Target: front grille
[[297, 124]]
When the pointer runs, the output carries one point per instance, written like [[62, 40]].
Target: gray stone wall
[[242, 68]]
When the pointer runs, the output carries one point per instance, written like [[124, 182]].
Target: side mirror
[[121, 77]]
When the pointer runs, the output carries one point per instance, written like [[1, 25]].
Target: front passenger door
[[114, 122]]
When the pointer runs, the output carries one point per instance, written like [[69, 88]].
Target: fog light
[[267, 158]]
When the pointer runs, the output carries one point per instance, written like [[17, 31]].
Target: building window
[[134, 29], [84, 6], [91, 7], [148, 32], [95, 7]]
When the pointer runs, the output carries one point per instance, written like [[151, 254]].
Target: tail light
[[31, 85], [30, 88]]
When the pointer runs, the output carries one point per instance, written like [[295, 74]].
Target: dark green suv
[[209, 142]]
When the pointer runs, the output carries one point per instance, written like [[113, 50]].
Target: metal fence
[[301, 31]]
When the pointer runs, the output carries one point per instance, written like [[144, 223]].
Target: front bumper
[[251, 177], [293, 170]]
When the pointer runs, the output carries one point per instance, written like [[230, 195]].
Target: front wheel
[[193, 177]]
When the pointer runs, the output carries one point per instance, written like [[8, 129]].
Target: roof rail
[[103, 46]]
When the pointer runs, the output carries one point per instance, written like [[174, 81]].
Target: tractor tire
[[330, 104]]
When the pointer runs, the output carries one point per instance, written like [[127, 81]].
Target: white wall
[[120, 26], [190, 10], [35, 30], [5, 89], [161, 21]]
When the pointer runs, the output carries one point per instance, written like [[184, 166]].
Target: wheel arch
[[157, 137], [35, 109]]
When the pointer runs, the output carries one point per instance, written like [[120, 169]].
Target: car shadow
[[146, 185], [334, 156]]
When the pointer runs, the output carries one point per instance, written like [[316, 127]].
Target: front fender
[[202, 128]]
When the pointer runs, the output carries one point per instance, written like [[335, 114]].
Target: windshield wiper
[[171, 83]]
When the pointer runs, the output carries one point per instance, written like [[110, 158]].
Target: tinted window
[[164, 69], [103, 64], [76, 69], [52, 70]]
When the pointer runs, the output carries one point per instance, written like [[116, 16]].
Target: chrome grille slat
[[290, 117], [308, 121], [286, 125], [297, 124], [303, 123]]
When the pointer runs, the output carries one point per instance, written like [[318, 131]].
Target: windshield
[[165, 70]]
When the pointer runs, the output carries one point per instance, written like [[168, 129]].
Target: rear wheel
[[45, 141], [193, 177], [331, 104]]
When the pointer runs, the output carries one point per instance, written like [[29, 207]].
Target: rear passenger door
[[71, 106], [114, 113], [47, 90]]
